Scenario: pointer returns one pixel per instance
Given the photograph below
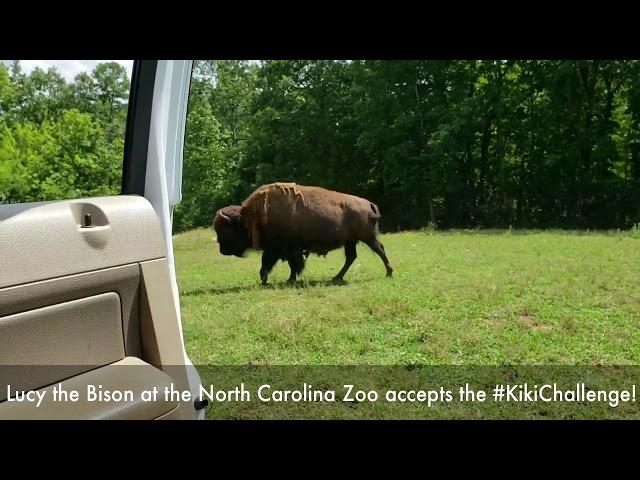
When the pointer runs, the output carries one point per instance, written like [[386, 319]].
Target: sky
[[68, 68]]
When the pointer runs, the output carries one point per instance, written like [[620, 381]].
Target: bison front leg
[[351, 254], [269, 259], [296, 263]]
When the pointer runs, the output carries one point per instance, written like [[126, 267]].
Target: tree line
[[447, 144], [61, 140]]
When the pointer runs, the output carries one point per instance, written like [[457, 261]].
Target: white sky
[[68, 68]]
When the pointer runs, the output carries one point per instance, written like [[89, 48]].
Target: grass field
[[463, 298]]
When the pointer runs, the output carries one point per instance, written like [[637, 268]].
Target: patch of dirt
[[569, 325], [527, 320]]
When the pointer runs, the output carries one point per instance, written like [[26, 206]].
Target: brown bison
[[288, 221]]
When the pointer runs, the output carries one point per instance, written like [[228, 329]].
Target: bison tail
[[374, 217], [375, 210]]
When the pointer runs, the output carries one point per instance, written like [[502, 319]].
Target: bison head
[[232, 236]]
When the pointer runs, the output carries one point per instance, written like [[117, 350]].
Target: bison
[[288, 221]]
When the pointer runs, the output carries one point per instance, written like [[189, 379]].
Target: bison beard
[[289, 221]]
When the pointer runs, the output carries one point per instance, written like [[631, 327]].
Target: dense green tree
[[206, 167], [452, 144]]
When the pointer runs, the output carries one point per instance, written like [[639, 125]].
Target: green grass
[[457, 298], [461, 298]]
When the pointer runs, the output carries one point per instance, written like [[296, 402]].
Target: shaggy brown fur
[[275, 196]]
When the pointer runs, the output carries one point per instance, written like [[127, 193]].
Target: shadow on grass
[[268, 286]]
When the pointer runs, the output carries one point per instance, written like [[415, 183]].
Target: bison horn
[[224, 216]]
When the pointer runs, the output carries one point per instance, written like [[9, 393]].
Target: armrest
[[129, 374]]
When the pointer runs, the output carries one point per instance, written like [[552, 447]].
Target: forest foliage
[[445, 144]]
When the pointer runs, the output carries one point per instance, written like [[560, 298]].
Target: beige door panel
[[123, 280], [130, 374], [85, 333], [160, 327], [47, 240], [85, 285]]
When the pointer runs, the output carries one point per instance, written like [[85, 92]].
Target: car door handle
[[87, 221]]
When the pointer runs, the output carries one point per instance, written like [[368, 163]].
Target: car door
[[88, 294]]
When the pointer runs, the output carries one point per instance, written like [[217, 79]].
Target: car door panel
[[76, 279]]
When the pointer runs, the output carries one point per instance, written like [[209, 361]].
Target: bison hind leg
[[377, 247], [350, 256]]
